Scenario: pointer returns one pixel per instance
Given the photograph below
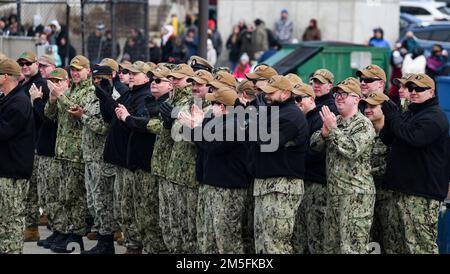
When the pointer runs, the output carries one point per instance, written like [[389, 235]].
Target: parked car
[[407, 21], [427, 11], [429, 34]]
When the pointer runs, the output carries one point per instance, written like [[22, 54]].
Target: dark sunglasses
[[258, 79], [368, 80], [299, 98], [25, 63], [124, 71], [158, 81], [417, 88], [55, 81]]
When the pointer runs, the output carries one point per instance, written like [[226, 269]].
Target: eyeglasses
[[417, 88], [343, 95], [124, 71], [368, 80], [299, 98], [159, 81], [25, 64]]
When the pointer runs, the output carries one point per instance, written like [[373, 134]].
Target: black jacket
[[45, 137], [315, 161], [119, 86], [125, 147], [326, 100], [223, 163], [289, 158], [417, 161], [16, 135]]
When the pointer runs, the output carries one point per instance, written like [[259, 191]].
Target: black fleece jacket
[[418, 157], [288, 160], [16, 135]]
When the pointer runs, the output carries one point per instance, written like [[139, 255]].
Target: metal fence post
[[114, 52], [147, 50], [67, 34], [203, 29], [82, 27], [19, 14]]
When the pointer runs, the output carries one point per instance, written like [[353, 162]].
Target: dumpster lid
[[305, 51], [295, 58]]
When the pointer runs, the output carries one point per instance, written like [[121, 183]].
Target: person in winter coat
[[414, 62], [243, 68], [312, 32]]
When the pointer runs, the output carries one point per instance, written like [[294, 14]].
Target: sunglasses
[[299, 98], [55, 81], [25, 64], [159, 81], [417, 88], [258, 79], [368, 80], [124, 71]]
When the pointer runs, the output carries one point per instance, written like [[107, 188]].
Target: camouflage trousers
[[348, 219], [12, 214], [48, 186], [99, 180], [125, 197], [31, 200], [146, 207], [417, 220], [308, 230], [177, 211], [220, 214], [275, 213], [385, 227], [70, 211], [248, 222]]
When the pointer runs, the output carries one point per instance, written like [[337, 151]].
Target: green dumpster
[[343, 59]]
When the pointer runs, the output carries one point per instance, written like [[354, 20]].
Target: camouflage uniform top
[[378, 160], [181, 166], [404, 104], [164, 142], [348, 149], [68, 140], [94, 132]]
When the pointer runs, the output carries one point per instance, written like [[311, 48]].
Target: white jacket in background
[[416, 65]]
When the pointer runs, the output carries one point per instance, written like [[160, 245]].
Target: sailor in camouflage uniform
[[383, 231], [279, 172], [69, 219], [99, 176], [182, 185], [17, 154], [148, 221], [348, 142], [416, 168]]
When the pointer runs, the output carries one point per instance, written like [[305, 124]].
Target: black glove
[[152, 105], [100, 93], [166, 114], [106, 85], [389, 109]]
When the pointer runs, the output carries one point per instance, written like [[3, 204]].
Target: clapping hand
[[329, 120], [35, 92], [76, 112], [122, 112]]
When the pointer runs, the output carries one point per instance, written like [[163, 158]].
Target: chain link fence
[[88, 27], [117, 29]]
